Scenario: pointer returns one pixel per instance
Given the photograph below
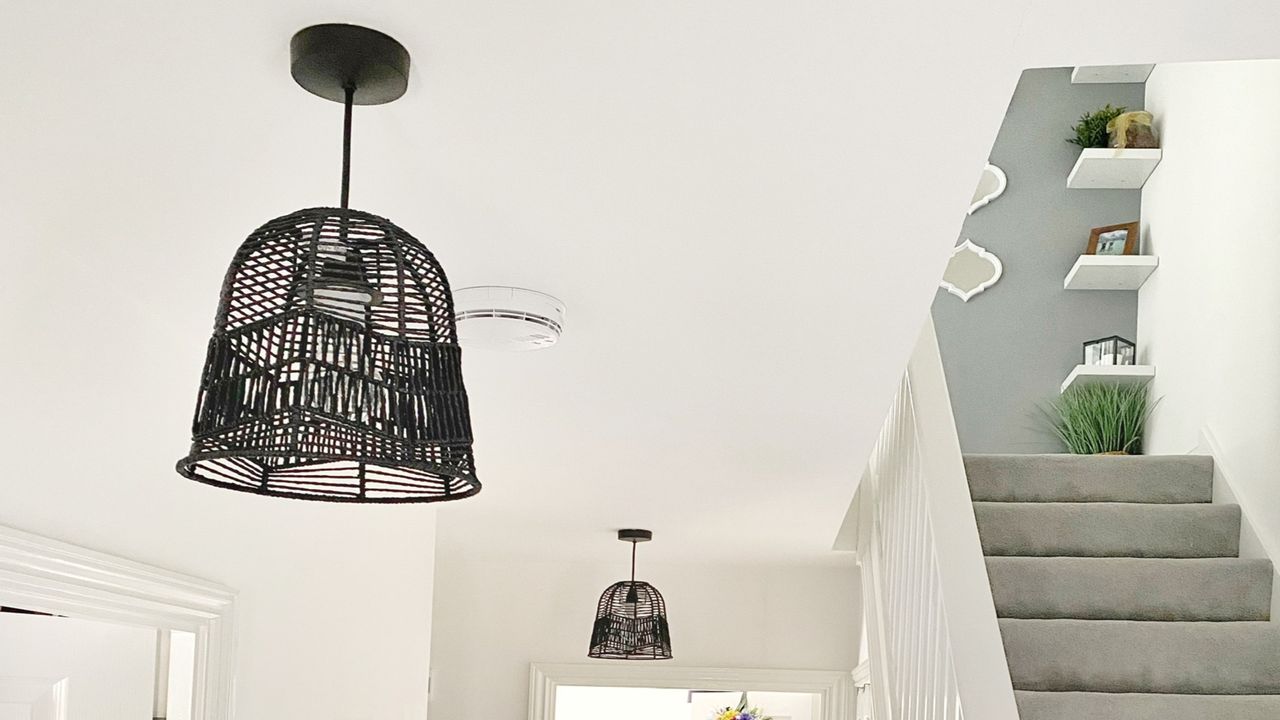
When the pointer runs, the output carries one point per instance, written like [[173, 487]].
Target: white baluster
[[931, 626]]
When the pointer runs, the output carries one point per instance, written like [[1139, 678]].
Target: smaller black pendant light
[[631, 619]]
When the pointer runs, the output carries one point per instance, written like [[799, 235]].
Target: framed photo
[[1119, 239]]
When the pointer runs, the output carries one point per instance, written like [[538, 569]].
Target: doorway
[[577, 702], [61, 668], [640, 691]]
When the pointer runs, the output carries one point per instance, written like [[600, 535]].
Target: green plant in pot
[[1101, 418], [1091, 131]]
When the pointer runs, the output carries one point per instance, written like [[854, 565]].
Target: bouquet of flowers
[[741, 712]]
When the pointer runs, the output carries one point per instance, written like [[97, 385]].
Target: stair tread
[[1090, 478], [1199, 589], [1123, 656], [1034, 705], [1106, 529]]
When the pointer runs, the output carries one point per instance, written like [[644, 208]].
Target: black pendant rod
[[632, 596], [633, 564], [349, 90]]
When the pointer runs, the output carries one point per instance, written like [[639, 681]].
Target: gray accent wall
[[1007, 350]]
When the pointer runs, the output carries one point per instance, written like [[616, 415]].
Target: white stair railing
[[933, 638]]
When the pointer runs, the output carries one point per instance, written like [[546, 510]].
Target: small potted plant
[[1101, 419], [1091, 131]]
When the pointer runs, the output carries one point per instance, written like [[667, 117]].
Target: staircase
[[1120, 590]]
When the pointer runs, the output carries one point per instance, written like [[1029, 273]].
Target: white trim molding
[[833, 687], [862, 691], [37, 573], [51, 693]]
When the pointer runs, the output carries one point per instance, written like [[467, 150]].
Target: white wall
[[110, 668], [494, 617], [1207, 318]]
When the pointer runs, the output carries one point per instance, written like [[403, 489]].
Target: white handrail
[[932, 632]]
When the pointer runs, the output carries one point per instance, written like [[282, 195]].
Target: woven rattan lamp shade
[[631, 618], [631, 624], [334, 371]]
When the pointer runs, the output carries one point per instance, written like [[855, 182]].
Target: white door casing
[[33, 698], [834, 688], [45, 575]]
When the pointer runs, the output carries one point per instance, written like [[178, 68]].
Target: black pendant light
[[631, 619], [334, 371]]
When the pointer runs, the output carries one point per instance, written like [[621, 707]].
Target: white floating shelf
[[1115, 169], [1111, 73], [1110, 272], [1116, 374]]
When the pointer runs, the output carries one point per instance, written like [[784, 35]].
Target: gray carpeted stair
[[1201, 658], [1109, 529], [1090, 478], [1212, 589], [1120, 592]]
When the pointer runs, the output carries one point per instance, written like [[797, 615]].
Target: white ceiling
[[744, 205]]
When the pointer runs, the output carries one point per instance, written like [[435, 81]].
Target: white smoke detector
[[495, 317]]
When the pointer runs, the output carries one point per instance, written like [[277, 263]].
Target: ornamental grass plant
[[1101, 418]]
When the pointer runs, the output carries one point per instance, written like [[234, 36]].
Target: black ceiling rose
[[334, 371], [325, 59], [631, 617]]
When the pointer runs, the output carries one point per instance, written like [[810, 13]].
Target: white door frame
[[31, 691], [37, 573], [834, 687]]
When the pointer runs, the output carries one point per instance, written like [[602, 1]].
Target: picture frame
[[1112, 350], [1119, 239]]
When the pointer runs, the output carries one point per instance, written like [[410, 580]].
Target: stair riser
[[1108, 529], [1106, 706], [1090, 478], [1151, 657], [1220, 589]]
